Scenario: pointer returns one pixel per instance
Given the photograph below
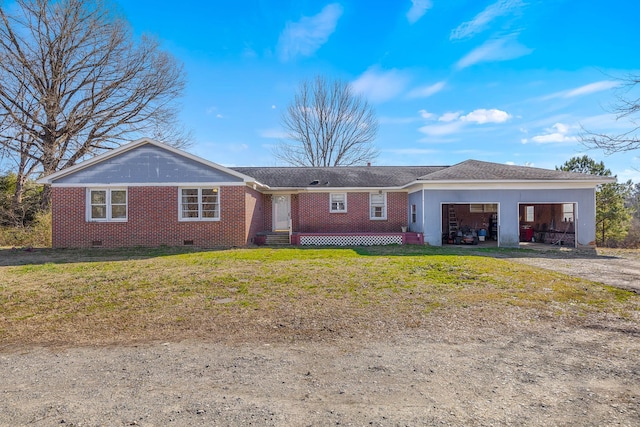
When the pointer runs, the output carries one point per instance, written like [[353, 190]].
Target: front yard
[[88, 297]]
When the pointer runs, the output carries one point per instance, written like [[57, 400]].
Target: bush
[[38, 234], [632, 240]]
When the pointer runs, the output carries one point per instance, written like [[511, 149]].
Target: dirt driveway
[[476, 368]]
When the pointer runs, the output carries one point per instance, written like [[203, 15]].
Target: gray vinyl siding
[[416, 199], [147, 164], [509, 200]]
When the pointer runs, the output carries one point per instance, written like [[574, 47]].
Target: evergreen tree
[[613, 216]]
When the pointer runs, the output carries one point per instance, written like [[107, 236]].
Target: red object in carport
[[526, 234]]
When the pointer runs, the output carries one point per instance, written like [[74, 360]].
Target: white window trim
[[331, 210], [108, 204], [568, 215], [199, 218], [529, 213], [384, 208]]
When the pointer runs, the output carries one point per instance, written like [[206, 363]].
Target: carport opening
[[548, 223], [470, 223]]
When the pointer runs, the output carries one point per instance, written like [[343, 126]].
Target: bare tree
[[74, 82], [627, 108], [328, 125]]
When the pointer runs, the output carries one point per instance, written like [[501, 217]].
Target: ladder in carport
[[453, 220]]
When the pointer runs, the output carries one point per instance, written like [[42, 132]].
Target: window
[[482, 208], [338, 202], [414, 213], [567, 212], [528, 214], [199, 204], [378, 205], [107, 204]]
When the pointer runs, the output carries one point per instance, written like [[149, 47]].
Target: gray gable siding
[[147, 164]]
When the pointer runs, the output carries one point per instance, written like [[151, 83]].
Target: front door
[[281, 212]]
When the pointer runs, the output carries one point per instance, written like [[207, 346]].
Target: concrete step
[[278, 239]]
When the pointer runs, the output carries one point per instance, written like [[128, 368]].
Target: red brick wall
[[254, 211], [153, 220], [267, 224], [313, 214]]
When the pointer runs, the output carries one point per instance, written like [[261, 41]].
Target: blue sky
[[508, 81]]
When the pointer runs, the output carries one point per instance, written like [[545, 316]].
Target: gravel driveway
[[620, 268]]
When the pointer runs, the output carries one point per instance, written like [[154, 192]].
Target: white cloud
[[305, 37], [493, 50], [482, 116], [585, 89], [449, 116], [557, 133], [592, 88], [425, 114], [418, 9], [484, 18], [442, 130], [455, 121], [426, 91], [380, 86]]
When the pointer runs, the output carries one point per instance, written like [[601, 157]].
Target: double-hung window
[[107, 204], [567, 212], [199, 204], [338, 202], [378, 206]]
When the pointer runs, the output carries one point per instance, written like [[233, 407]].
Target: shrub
[[38, 234]]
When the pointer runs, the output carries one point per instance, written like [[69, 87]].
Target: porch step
[[277, 239]]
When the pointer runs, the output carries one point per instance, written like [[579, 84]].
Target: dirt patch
[[468, 372]]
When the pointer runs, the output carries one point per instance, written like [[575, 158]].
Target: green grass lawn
[[122, 296]]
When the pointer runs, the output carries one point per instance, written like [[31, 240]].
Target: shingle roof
[[351, 176], [475, 170], [398, 176]]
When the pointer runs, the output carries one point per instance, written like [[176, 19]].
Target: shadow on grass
[[494, 252], [38, 256]]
